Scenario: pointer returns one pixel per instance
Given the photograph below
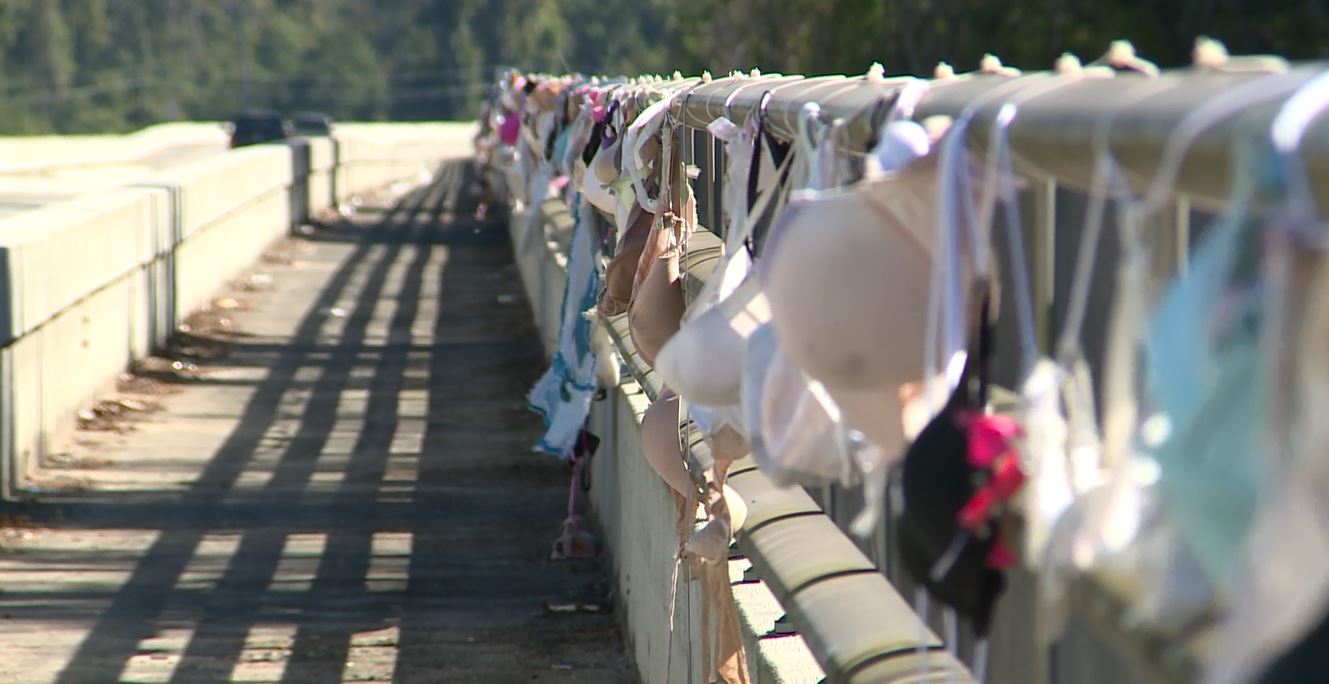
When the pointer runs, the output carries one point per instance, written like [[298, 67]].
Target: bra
[[847, 275]]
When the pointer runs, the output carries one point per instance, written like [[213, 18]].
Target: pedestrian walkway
[[342, 490]]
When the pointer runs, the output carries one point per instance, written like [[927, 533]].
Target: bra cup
[[731, 415], [650, 152], [660, 442], [656, 310], [618, 282], [877, 413], [704, 361], [598, 194], [657, 307], [578, 137], [642, 148], [711, 419], [950, 526], [621, 272], [1203, 345], [740, 146], [728, 445], [837, 267], [937, 483], [935, 478], [546, 96], [577, 175], [544, 130], [970, 588], [510, 129], [792, 436], [737, 507], [605, 165], [695, 360]]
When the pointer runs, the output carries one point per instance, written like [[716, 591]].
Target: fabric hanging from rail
[[1174, 473], [563, 395]]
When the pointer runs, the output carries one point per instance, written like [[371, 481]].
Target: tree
[[98, 65]]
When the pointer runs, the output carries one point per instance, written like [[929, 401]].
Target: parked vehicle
[[311, 124], [253, 128]]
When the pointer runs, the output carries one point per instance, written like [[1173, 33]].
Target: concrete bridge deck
[[343, 490]]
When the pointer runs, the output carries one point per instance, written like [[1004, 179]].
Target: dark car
[[311, 124], [252, 128]]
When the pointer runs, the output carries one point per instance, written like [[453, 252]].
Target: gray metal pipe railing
[[1064, 123], [1055, 134]]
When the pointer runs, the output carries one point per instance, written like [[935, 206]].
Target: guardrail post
[[162, 276], [715, 177], [333, 171], [9, 467], [1181, 244], [1043, 261], [299, 194], [1171, 241]]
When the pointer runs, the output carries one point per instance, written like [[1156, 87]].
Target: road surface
[[343, 490]]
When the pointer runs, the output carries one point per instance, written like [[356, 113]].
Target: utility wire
[[311, 83]]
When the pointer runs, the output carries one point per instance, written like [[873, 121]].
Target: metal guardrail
[[1065, 121], [860, 629], [1177, 126], [1062, 119]]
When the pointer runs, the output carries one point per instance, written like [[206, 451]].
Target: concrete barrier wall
[[636, 513], [76, 316], [542, 266], [635, 509], [231, 209], [849, 610], [375, 154], [322, 167], [25, 154], [90, 284], [622, 481]]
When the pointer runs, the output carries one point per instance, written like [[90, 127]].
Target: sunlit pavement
[[342, 491]]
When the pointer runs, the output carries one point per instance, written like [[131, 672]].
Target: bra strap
[[754, 168]]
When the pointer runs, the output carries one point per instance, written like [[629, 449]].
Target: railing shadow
[[471, 510]]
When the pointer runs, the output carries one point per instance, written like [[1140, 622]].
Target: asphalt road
[[343, 490]]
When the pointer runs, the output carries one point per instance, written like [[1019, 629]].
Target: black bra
[[950, 561]]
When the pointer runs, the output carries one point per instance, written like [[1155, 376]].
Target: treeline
[[110, 65]]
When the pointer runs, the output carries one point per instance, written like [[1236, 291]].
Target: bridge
[[265, 412]]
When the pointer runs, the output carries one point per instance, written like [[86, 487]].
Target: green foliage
[[110, 65], [911, 36]]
